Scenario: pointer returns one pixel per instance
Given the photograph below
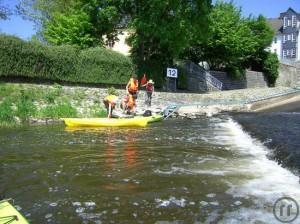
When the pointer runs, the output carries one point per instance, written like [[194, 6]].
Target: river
[[209, 170]]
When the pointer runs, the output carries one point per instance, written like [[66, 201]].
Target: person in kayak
[[124, 102], [128, 105], [149, 91], [132, 86], [131, 105], [110, 102]]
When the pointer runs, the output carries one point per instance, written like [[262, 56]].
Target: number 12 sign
[[172, 72]]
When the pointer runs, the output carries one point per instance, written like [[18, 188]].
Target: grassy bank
[[21, 103]]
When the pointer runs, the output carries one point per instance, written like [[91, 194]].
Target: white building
[[286, 42], [276, 45]]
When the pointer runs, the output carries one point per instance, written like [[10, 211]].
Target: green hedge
[[62, 63]]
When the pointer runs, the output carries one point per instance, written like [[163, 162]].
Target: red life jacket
[[149, 87], [144, 80]]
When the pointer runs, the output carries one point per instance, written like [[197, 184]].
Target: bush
[[25, 106], [235, 71], [112, 91], [62, 63], [271, 67], [62, 109], [6, 112]]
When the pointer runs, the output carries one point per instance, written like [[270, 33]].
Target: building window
[[284, 38], [284, 53], [289, 37], [293, 37], [294, 21], [293, 52], [289, 22], [284, 22], [275, 40]]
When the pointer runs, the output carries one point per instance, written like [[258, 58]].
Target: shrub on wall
[[62, 63], [271, 67]]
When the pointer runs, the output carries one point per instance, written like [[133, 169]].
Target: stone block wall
[[251, 79], [289, 76]]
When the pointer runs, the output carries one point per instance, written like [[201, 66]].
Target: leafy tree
[[164, 29], [97, 18], [72, 29], [229, 39], [4, 11], [262, 35], [234, 43], [271, 67]]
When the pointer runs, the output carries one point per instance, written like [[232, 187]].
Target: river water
[[207, 170]]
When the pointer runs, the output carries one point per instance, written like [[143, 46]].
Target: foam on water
[[268, 182]]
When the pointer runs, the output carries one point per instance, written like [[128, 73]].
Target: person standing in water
[[149, 91], [132, 86]]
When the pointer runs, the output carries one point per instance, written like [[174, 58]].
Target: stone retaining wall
[[252, 79], [289, 76]]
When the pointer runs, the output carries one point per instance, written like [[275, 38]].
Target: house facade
[[286, 42]]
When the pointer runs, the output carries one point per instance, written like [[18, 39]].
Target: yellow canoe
[[105, 122], [8, 214]]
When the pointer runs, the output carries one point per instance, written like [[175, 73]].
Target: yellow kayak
[[111, 122], [105, 122], [8, 214]]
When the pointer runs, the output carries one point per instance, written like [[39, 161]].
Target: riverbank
[[36, 103]]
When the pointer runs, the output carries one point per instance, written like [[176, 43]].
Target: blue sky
[[269, 8]]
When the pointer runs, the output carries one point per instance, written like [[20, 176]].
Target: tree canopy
[[4, 11], [233, 42], [162, 30]]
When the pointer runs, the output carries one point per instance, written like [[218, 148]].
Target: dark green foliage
[[182, 76], [62, 63], [163, 30], [154, 70], [271, 67], [234, 43]]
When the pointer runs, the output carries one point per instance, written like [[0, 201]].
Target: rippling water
[[206, 170]]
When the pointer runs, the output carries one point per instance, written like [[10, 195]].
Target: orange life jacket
[[131, 102], [133, 85]]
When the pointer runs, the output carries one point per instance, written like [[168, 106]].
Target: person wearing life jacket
[[131, 105], [132, 86], [110, 102], [124, 102], [149, 90]]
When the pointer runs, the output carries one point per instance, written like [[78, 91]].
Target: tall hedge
[[62, 63]]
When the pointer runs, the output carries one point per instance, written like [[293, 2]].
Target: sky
[[268, 8]]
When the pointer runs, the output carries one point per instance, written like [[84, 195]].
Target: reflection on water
[[206, 170]]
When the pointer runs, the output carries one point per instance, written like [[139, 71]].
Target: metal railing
[[205, 75]]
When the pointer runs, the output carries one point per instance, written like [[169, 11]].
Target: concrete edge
[[274, 102]]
